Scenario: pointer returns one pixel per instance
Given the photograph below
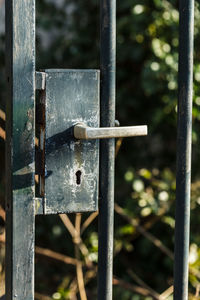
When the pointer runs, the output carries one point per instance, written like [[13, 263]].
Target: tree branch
[[88, 221], [79, 270], [157, 242], [55, 255]]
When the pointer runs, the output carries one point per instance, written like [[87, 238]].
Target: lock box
[[69, 182]]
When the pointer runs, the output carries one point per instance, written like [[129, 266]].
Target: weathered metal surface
[[81, 131], [71, 166], [184, 134], [20, 149], [40, 80], [39, 206], [107, 149]]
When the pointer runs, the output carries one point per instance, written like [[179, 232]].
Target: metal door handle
[[83, 132]]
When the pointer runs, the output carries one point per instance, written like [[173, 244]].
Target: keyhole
[[78, 177]]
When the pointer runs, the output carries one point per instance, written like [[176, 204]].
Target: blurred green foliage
[[147, 65]]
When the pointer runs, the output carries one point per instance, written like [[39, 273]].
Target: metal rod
[[184, 132], [20, 149], [81, 131], [107, 146]]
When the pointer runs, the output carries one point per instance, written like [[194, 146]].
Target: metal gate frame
[[20, 149]]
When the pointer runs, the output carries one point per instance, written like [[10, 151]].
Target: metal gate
[[71, 106]]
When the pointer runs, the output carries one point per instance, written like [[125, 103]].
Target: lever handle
[[83, 132]]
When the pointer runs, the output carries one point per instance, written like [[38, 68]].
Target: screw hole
[[78, 177]]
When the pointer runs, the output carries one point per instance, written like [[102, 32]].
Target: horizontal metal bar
[[81, 131]]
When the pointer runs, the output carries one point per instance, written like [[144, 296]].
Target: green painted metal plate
[[71, 166]]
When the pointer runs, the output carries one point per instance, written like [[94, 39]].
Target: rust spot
[[2, 134], [2, 115], [37, 179], [40, 141], [36, 142]]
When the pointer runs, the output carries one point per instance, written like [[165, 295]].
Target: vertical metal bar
[[20, 61], [183, 177], [106, 205]]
